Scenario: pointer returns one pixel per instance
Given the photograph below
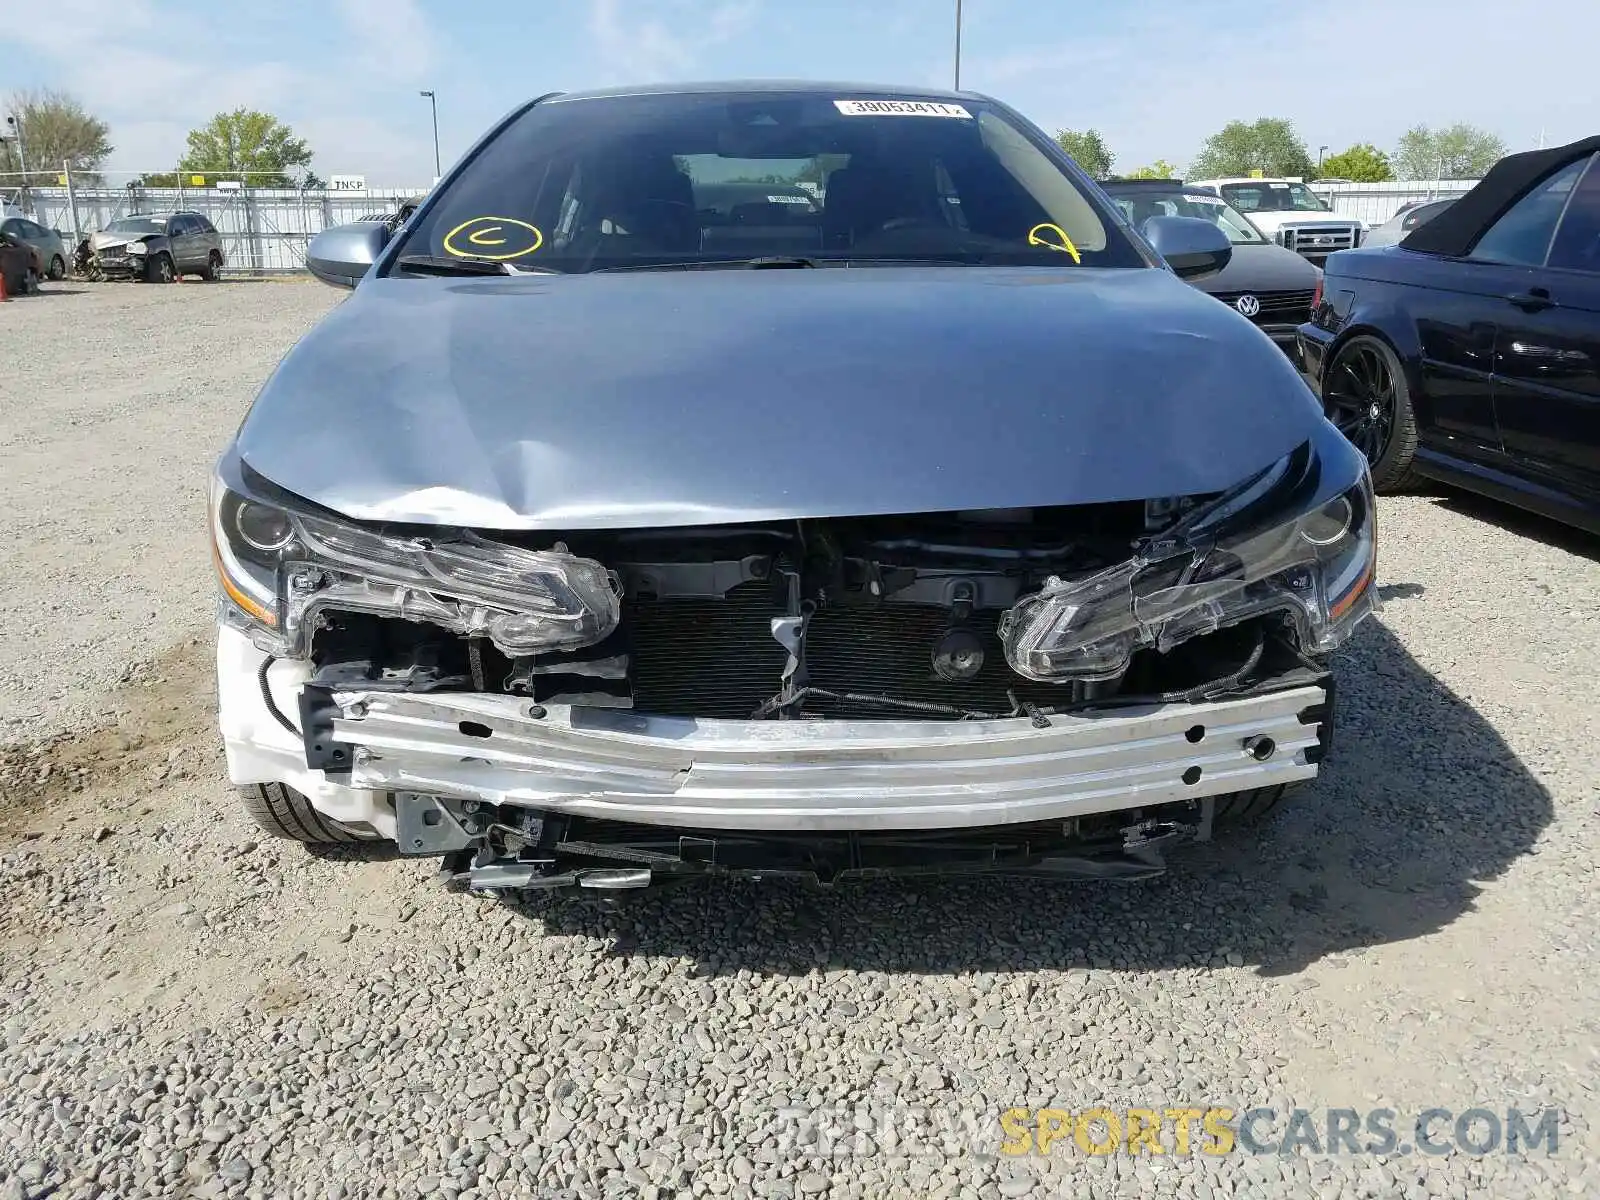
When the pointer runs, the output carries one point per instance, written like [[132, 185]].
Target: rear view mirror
[[341, 255], [1192, 246]]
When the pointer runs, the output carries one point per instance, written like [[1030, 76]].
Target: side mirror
[[1192, 246], [342, 254]]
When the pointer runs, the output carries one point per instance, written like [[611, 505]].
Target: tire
[[1364, 393], [58, 268], [285, 813], [213, 268], [159, 269], [1244, 808]]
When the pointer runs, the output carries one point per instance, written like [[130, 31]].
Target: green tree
[[1269, 145], [1364, 163], [1160, 169], [55, 129], [1088, 149], [253, 147], [1460, 152], [819, 168]]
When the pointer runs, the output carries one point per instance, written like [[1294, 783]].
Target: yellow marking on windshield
[[465, 239], [1036, 237]]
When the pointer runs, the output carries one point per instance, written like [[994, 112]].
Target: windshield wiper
[[434, 264], [766, 263], [778, 262]]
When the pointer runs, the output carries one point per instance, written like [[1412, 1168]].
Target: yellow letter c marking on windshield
[[1042, 235], [467, 239]]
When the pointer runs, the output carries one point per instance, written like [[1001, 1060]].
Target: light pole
[[1321, 150], [22, 158], [958, 45], [433, 101]]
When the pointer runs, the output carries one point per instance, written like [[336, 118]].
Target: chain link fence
[[264, 230]]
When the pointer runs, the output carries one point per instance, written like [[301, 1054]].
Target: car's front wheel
[[286, 813], [58, 268], [1364, 393], [159, 269]]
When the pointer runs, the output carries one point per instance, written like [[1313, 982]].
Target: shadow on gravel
[[1421, 803], [1521, 522]]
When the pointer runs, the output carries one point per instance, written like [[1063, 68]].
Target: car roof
[[1152, 185], [817, 87], [1250, 179]]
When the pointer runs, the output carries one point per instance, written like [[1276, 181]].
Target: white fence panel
[[264, 231], [1375, 203]]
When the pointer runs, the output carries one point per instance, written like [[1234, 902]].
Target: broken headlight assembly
[[279, 566], [1296, 540]]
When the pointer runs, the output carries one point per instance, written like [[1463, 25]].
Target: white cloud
[[394, 36], [43, 27], [634, 48], [154, 76], [1159, 84]]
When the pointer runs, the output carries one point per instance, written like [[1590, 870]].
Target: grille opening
[[717, 658]]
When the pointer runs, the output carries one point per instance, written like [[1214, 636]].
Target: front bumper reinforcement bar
[[812, 776]]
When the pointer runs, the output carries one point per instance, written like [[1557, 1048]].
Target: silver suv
[[157, 247]]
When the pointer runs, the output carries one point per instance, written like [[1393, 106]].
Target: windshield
[[679, 179], [1139, 206], [1273, 197], [137, 225]]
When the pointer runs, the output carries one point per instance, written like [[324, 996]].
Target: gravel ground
[[186, 1012]]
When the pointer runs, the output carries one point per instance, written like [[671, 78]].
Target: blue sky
[[1155, 76]]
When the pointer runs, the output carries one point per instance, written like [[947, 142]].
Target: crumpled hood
[[110, 241], [677, 398]]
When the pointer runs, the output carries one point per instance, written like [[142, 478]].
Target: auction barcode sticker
[[900, 108]]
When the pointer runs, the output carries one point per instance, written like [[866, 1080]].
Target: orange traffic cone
[[3, 296]]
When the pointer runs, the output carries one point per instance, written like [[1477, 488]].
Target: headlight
[[279, 568], [136, 248], [1279, 544]]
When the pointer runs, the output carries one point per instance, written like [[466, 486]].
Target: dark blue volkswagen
[[772, 478]]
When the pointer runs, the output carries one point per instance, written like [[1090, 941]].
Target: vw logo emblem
[[1248, 305]]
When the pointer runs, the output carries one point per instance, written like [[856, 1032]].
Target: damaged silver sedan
[[605, 538]]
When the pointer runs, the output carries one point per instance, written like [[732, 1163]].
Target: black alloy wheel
[[1360, 398], [1365, 395]]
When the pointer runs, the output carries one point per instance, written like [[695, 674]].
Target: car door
[[208, 238], [1547, 348], [181, 239]]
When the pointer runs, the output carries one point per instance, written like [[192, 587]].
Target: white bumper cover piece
[[260, 750], [822, 775]]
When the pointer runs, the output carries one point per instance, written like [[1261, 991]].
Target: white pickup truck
[[1290, 213]]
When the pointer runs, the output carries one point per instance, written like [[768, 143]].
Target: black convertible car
[[1470, 352]]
